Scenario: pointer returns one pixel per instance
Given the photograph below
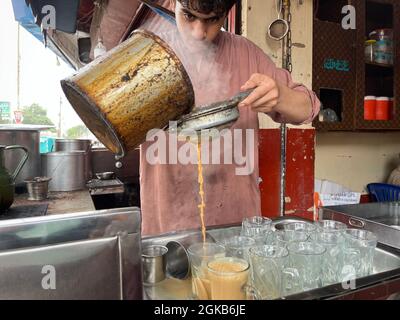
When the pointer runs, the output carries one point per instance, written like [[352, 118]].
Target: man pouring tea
[[170, 194]]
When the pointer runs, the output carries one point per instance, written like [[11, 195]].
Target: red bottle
[[370, 108], [382, 108]]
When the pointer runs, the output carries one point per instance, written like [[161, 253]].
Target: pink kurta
[[169, 193]]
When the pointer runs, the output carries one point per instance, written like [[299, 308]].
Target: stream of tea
[[202, 204]]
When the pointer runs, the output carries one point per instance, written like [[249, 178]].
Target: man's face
[[197, 30]]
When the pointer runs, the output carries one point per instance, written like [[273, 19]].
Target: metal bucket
[[68, 145], [72, 145], [66, 170], [137, 86], [29, 137]]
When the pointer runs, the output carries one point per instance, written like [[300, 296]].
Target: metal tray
[[386, 272], [381, 218]]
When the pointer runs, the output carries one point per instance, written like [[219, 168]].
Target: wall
[[355, 159], [257, 15]]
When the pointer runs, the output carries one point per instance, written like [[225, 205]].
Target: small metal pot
[[153, 260], [105, 175], [38, 188]]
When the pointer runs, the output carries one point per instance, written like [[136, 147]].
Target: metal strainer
[[214, 116], [279, 28]]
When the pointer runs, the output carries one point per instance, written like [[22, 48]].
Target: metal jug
[[7, 181]]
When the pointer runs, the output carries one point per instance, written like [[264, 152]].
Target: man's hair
[[219, 7]]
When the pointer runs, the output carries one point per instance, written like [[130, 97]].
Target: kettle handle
[[22, 162]]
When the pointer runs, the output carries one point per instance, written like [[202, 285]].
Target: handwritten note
[[340, 199]]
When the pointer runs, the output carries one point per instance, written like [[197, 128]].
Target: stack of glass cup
[[264, 263]]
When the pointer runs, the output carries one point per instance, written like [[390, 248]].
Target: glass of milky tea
[[199, 256]]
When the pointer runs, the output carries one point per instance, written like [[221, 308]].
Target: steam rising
[[200, 59]]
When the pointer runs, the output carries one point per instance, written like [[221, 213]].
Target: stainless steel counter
[[91, 255], [61, 202]]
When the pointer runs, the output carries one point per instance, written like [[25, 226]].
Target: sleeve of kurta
[[266, 66]]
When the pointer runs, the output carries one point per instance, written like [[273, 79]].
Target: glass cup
[[305, 267], [282, 238], [332, 226], [304, 226], [238, 247], [264, 237], [359, 251], [228, 278], [199, 256], [332, 263], [255, 226], [268, 264]]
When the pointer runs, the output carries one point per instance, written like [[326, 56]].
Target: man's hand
[[270, 97], [266, 95]]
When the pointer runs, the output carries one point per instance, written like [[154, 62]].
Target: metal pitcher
[[7, 181], [138, 86]]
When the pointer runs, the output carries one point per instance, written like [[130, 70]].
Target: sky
[[39, 73]]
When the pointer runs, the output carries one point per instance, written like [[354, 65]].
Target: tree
[[77, 132], [36, 114]]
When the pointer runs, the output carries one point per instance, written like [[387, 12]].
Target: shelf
[[379, 80], [380, 65], [365, 78]]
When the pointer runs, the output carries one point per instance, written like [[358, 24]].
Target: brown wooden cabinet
[[342, 76]]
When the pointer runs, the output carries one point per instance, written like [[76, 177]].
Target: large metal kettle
[[7, 180], [138, 86]]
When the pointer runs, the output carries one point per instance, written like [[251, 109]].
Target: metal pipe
[[18, 67], [287, 63], [283, 170]]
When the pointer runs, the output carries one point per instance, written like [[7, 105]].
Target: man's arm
[[271, 97]]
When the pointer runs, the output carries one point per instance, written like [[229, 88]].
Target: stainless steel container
[[153, 259], [77, 145], [38, 188], [27, 136], [67, 170], [177, 257], [72, 145]]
